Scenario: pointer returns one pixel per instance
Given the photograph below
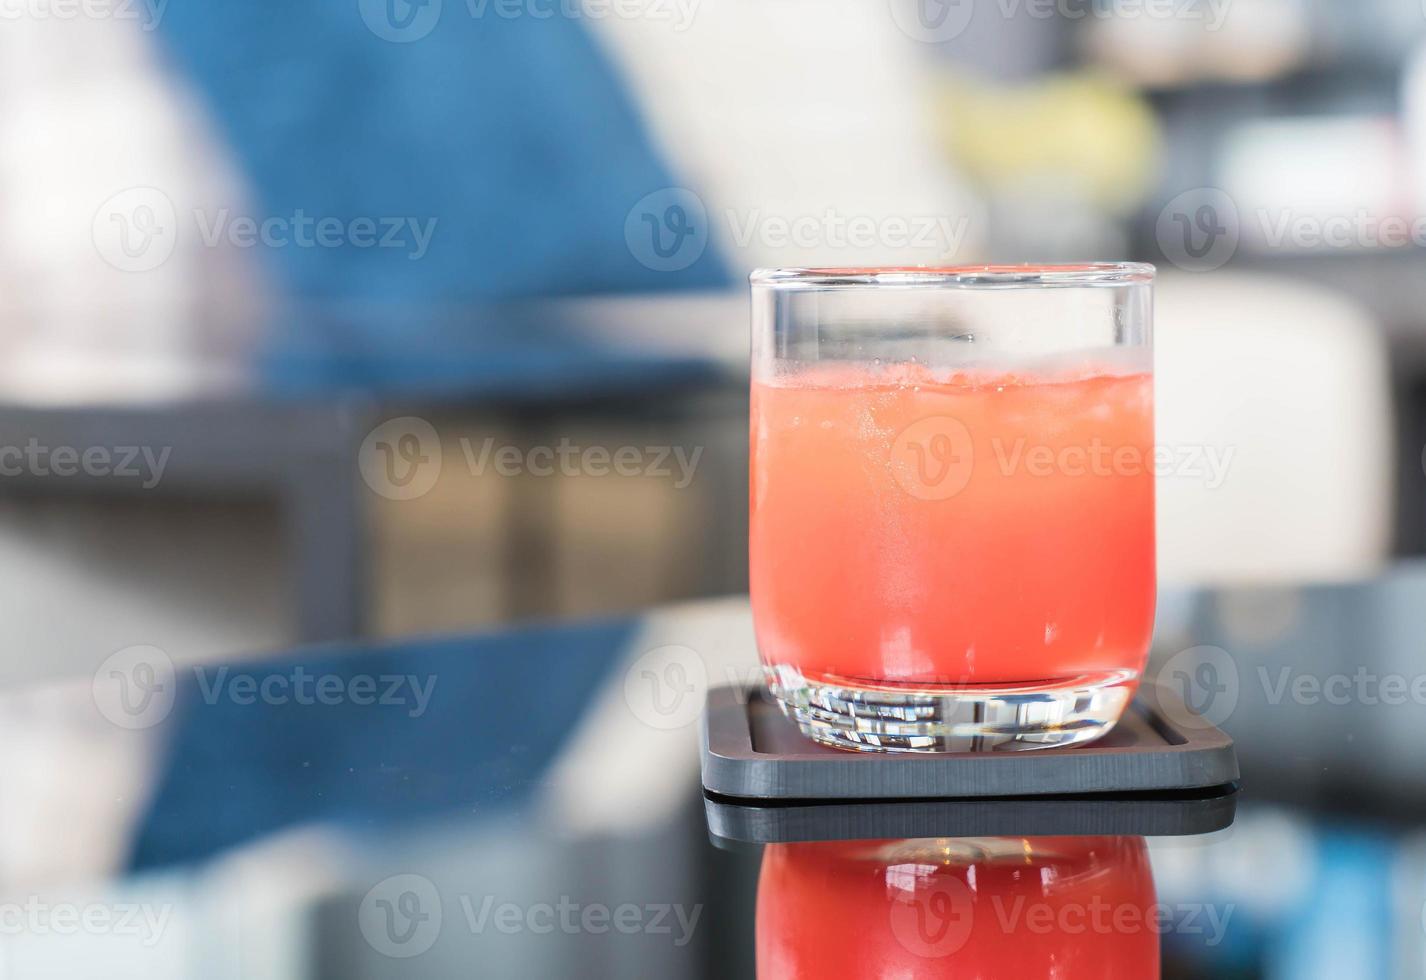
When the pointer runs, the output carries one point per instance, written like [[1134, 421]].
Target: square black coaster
[[1172, 813], [751, 751]]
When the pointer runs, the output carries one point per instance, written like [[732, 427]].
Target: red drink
[[952, 506], [980, 909], [971, 529]]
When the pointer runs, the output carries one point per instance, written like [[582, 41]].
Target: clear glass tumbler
[[952, 501]]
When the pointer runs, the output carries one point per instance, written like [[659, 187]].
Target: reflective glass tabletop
[[527, 803]]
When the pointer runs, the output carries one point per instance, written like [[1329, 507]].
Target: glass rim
[[1023, 276]]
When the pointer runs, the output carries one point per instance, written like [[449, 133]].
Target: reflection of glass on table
[[1067, 907]]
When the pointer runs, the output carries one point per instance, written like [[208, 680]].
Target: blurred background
[[375, 319], [250, 237]]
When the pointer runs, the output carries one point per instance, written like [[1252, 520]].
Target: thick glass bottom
[[963, 718]]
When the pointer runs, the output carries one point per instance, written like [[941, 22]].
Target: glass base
[[963, 718]]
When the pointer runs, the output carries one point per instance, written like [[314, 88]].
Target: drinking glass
[[952, 501]]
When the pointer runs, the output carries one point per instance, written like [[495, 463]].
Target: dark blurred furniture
[[291, 430]]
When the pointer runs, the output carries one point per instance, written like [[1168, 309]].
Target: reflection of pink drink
[[1071, 908], [975, 528]]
